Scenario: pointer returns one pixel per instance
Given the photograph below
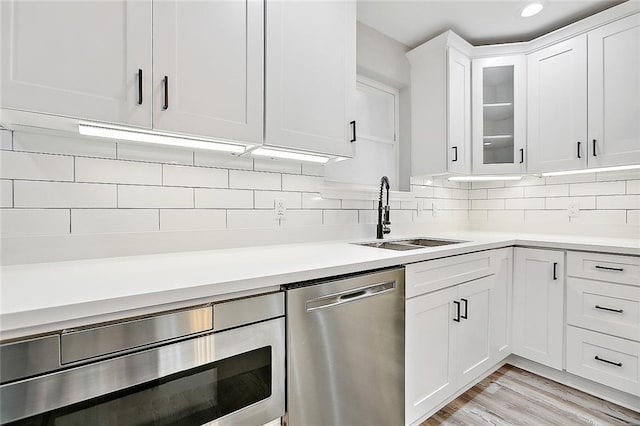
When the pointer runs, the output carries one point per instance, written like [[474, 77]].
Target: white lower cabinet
[[501, 306], [538, 301]]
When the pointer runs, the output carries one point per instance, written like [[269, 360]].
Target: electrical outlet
[[435, 209], [280, 208], [574, 210]]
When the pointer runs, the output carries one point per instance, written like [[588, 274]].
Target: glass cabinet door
[[498, 115]]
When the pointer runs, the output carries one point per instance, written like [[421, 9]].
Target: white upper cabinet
[[614, 93], [440, 107], [311, 75], [499, 114], [83, 59], [208, 68], [557, 106]]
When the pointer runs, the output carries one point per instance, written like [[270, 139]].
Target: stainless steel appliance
[[218, 364], [345, 351]]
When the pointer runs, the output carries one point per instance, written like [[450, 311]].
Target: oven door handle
[[351, 295]]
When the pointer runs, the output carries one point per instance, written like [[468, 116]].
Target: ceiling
[[477, 21]]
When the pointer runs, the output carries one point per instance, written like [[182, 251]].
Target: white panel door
[[459, 112], [208, 68], [538, 300], [310, 75], [557, 107], [473, 352], [501, 306], [81, 59], [430, 339], [614, 93]]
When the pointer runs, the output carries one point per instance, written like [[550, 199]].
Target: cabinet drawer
[[432, 275], [605, 307], [604, 267], [604, 359]]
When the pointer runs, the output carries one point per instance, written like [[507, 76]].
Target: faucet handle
[[386, 220], [386, 230]]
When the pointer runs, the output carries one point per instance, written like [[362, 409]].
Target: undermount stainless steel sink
[[412, 244]]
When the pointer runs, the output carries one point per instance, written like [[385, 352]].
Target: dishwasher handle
[[350, 296]]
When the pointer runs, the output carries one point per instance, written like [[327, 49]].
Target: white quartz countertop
[[38, 298]]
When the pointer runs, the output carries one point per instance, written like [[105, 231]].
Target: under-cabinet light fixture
[[598, 170], [483, 178], [159, 138], [289, 155], [531, 9]]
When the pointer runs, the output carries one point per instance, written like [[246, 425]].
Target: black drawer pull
[[594, 148], [555, 270], [608, 268], [353, 131], [455, 153], [609, 309], [140, 86], [521, 155], [457, 318], [466, 309], [165, 80], [579, 150], [617, 364]]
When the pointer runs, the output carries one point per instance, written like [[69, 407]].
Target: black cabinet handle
[[353, 131], [618, 364], [608, 268], [165, 80], [609, 309], [466, 305], [579, 150], [594, 148], [139, 86], [521, 155], [457, 318], [555, 270], [455, 152]]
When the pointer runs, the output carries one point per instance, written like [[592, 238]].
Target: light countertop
[[38, 298]]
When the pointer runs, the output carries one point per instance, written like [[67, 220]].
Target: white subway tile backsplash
[[276, 166], [367, 217], [296, 218], [67, 145], [456, 205], [502, 216], [562, 203], [546, 191], [311, 169], [601, 217], [524, 204], [173, 175], [555, 180], [130, 196], [107, 221], [250, 219], [478, 194], [340, 217], [487, 204], [223, 198], [6, 193], [546, 216], [315, 201], [6, 139], [266, 199], [514, 192], [479, 215], [633, 217], [18, 222], [406, 216], [597, 188], [633, 186], [154, 154], [26, 165], [422, 191], [358, 204], [618, 202], [226, 161], [619, 175], [117, 171], [459, 194], [241, 179], [63, 194], [192, 219], [413, 205], [301, 183]]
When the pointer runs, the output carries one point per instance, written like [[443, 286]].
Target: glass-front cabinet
[[499, 115]]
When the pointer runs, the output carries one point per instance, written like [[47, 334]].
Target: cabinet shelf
[[498, 111], [497, 137]]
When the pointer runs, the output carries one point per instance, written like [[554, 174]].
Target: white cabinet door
[[430, 339], [499, 114], [310, 75], [473, 352], [557, 107], [614, 93], [459, 112], [538, 300], [501, 306], [208, 68], [78, 58]]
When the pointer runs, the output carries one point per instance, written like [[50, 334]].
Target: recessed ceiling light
[[531, 9]]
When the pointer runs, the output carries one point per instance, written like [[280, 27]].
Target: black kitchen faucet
[[382, 224]]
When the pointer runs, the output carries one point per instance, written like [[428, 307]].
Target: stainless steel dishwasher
[[345, 351]]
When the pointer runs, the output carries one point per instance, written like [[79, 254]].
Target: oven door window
[[191, 397]]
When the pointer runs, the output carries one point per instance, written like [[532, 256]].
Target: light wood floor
[[512, 396]]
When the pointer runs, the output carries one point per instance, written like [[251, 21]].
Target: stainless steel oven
[[217, 364]]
